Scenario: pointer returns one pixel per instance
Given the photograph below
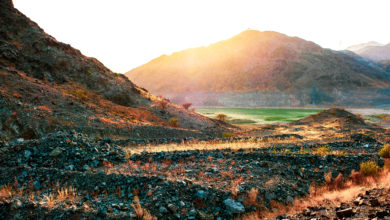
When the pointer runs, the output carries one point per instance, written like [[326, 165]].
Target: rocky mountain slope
[[264, 68], [48, 86], [375, 52]]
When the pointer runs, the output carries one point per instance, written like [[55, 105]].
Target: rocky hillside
[[46, 86], [375, 52], [264, 68]]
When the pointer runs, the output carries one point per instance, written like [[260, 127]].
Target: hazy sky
[[124, 34]]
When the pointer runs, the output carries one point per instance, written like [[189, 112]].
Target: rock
[[348, 212], [17, 204], [182, 204], [233, 206], [200, 194], [162, 210], [374, 202], [57, 151], [19, 140], [27, 154], [172, 208], [192, 212], [204, 216], [86, 168], [37, 185]]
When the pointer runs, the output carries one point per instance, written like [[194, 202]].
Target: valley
[[79, 141]]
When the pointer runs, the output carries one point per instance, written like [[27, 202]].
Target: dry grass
[[334, 192], [251, 199], [206, 145], [140, 212], [5, 192]]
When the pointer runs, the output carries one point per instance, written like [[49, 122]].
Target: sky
[[124, 34]]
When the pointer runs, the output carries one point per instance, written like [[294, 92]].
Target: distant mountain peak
[[372, 50]]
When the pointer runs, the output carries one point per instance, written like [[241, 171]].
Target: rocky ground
[[372, 204], [69, 175]]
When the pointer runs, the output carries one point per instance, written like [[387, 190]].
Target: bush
[[187, 105], [385, 151], [369, 168], [174, 122], [82, 95], [221, 117], [226, 134], [323, 150]]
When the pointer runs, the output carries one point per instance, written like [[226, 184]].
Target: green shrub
[[369, 168], [385, 151], [174, 122]]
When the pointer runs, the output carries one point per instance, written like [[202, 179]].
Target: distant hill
[[372, 50], [48, 86], [358, 48], [264, 69]]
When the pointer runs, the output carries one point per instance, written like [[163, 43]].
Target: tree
[[221, 117], [187, 105]]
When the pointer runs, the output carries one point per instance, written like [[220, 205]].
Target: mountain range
[[372, 51], [267, 68]]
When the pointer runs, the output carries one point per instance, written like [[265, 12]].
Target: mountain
[[264, 69], [358, 48], [48, 86], [373, 51]]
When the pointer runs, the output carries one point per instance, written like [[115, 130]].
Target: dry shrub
[[140, 212], [174, 122], [50, 200], [5, 192], [328, 177], [234, 188], [66, 193], [323, 150], [16, 95], [187, 105], [357, 177], [82, 95], [221, 117], [385, 151], [369, 168], [338, 182], [252, 197], [226, 134]]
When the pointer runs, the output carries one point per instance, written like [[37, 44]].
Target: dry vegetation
[[334, 192]]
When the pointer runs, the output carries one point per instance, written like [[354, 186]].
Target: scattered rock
[[233, 206]]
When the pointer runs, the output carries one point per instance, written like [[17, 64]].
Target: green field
[[258, 115]]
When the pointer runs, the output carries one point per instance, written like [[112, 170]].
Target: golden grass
[[207, 145]]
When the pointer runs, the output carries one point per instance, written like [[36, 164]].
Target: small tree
[[187, 105], [221, 117]]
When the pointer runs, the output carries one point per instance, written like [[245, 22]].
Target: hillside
[[375, 52], [48, 86], [264, 69]]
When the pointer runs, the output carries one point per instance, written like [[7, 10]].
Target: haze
[[125, 34]]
